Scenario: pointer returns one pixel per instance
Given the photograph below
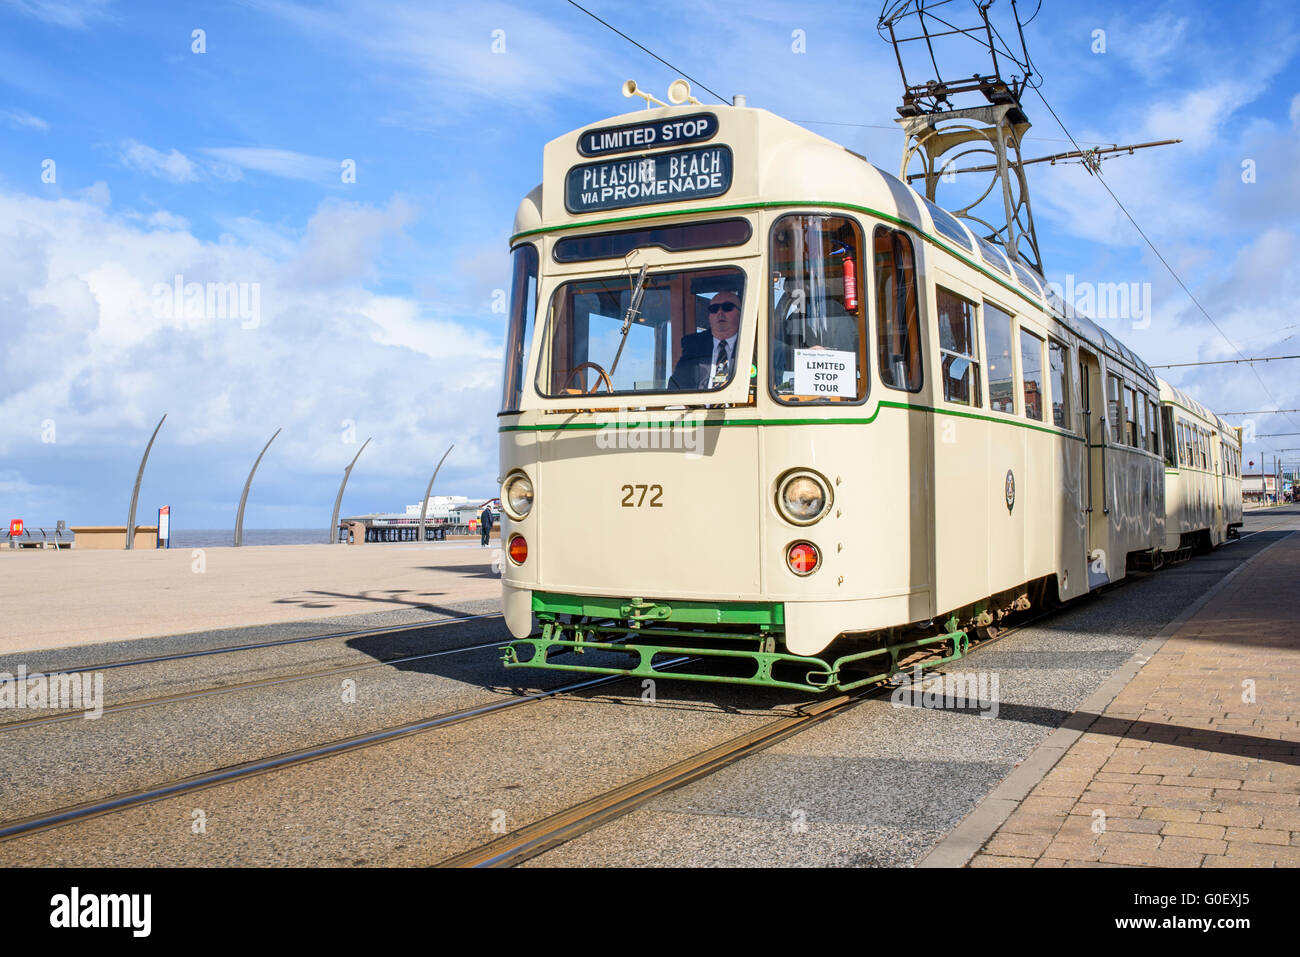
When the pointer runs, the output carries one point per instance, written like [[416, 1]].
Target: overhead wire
[[1028, 66]]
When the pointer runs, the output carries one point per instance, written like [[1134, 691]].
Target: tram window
[[997, 339], [523, 310], [1167, 424], [1056, 358], [1153, 427], [679, 238], [1189, 458], [1114, 408], [993, 256], [897, 315], [1031, 371], [671, 346], [1141, 420], [1130, 419], [946, 223], [819, 318], [1027, 278], [958, 349]]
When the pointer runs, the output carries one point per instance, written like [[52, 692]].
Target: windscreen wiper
[[633, 311]]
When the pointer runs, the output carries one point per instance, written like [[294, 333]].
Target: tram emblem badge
[[1011, 490]]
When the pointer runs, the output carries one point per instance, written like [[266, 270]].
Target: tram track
[[550, 832], [544, 835], [180, 696], [46, 820], [258, 645]]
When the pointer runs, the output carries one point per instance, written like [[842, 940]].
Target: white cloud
[[174, 166], [21, 119], [451, 57], [341, 241], [85, 285], [284, 163], [76, 14]]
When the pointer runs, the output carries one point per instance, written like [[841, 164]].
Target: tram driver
[[709, 356]]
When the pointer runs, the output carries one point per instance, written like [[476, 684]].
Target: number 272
[[630, 493]]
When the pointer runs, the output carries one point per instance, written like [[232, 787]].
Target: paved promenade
[[55, 599], [1194, 763]]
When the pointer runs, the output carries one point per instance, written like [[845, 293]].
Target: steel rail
[[361, 633], [91, 809], [139, 703], [560, 828], [550, 832]]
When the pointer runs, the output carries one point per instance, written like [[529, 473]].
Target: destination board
[[640, 180], [676, 131]]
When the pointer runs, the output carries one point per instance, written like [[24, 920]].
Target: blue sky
[[376, 295]]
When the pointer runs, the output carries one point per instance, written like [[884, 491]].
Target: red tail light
[[518, 549], [803, 558]]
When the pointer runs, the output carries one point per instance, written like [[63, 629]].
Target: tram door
[[1220, 487], [1094, 419]]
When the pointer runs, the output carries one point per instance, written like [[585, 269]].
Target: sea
[[216, 537]]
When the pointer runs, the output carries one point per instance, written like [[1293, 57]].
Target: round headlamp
[[803, 497], [517, 495]]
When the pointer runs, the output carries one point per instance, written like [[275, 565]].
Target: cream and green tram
[[1202, 474], [768, 408]]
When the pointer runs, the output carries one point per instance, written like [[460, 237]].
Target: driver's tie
[[720, 370]]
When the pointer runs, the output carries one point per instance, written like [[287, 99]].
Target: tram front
[[639, 518]]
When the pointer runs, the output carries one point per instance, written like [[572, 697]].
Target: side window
[[523, 310], [818, 319], [1153, 436], [1031, 371], [1002, 382], [897, 312], [958, 350], [1056, 357], [1130, 418], [1114, 408], [1171, 447], [1141, 420]]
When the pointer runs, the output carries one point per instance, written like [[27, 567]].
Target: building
[[1259, 487], [440, 506]]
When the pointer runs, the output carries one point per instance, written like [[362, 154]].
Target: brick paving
[[1196, 763]]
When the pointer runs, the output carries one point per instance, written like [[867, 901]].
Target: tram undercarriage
[[743, 642]]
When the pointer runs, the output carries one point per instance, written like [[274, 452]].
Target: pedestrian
[[485, 522]]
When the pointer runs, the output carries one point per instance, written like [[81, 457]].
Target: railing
[[55, 538]]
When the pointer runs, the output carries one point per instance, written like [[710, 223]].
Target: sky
[[347, 173]]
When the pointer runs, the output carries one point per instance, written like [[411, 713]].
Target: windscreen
[[683, 337]]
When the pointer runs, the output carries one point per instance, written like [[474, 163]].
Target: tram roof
[[1176, 396], [778, 162]]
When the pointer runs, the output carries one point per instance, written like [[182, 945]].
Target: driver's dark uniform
[[692, 372]]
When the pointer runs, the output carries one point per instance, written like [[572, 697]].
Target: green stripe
[[579, 426], [888, 217]]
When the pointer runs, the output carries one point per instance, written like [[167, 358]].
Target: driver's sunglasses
[[724, 306]]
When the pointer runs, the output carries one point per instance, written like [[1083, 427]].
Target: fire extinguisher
[[850, 284]]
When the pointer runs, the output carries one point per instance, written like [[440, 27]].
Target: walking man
[[485, 522]]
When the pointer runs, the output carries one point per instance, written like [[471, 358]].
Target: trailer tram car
[[767, 406]]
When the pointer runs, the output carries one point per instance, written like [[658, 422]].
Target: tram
[[768, 407]]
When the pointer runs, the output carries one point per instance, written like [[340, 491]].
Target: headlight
[[517, 495], [803, 497]]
